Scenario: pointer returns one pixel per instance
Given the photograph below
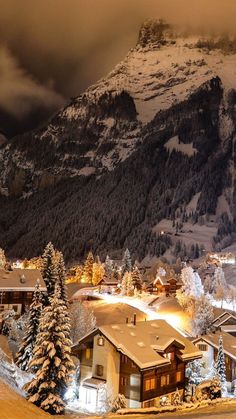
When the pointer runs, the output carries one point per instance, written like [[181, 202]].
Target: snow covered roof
[[229, 342], [93, 382], [20, 279], [224, 317], [146, 342]]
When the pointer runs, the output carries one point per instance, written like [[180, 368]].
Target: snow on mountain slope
[[151, 143], [158, 77], [102, 127]]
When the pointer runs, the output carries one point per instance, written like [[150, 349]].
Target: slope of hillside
[[134, 149]]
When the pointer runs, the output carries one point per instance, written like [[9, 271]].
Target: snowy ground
[[165, 309], [107, 313], [213, 412], [13, 406], [190, 233]]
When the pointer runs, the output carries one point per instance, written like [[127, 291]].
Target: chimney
[[135, 319]]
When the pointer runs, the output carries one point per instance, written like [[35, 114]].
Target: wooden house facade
[[143, 361], [17, 288]]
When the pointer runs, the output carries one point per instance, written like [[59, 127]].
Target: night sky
[[52, 50]]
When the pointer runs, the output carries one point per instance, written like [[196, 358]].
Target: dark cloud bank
[[51, 50]]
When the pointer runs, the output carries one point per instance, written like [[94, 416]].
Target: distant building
[[142, 360], [17, 288], [226, 322], [209, 345], [166, 285], [226, 258]]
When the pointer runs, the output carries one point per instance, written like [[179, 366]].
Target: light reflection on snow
[[174, 319]]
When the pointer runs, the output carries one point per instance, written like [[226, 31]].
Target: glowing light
[[174, 319]]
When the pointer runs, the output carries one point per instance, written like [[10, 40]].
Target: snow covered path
[[13, 406], [141, 304]]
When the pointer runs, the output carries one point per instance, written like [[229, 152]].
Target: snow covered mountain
[[151, 144]]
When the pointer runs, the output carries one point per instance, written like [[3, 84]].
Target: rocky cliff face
[[150, 145]]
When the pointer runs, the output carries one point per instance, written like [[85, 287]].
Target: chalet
[[165, 284], [108, 284], [17, 288], [209, 345], [227, 322], [142, 360]]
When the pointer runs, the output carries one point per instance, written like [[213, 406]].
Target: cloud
[[69, 44], [19, 92]]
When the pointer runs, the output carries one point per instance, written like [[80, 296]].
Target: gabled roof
[[224, 317], [20, 279], [229, 342], [145, 342]]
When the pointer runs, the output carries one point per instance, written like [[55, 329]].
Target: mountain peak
[[154, 32]]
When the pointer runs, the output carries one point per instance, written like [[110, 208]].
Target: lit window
[[165, 380], [99, 370], [178, 376], [88, 353], [100, 341], [150, 384]]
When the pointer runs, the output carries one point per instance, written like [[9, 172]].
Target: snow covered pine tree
[[192, 284], [136, 277], [49, 271], [25, 353], [220, 366], [51, 358], [61, 276], [88, 269], [203, 316], [126, 262]]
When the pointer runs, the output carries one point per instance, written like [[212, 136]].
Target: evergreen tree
[[126, 262], [48, 270], [25, 353], [127, 284], [192, 284], [194, 372], [88, 269], [218, 281], [220, 365], [82, 320], [108, 268], [136, 278], [51, 357], [98, 272], [203, 316], [61, 276]]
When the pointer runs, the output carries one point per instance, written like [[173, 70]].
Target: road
[[171, 313]]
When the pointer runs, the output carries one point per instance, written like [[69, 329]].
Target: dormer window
[[169, 355], [100, 341]]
